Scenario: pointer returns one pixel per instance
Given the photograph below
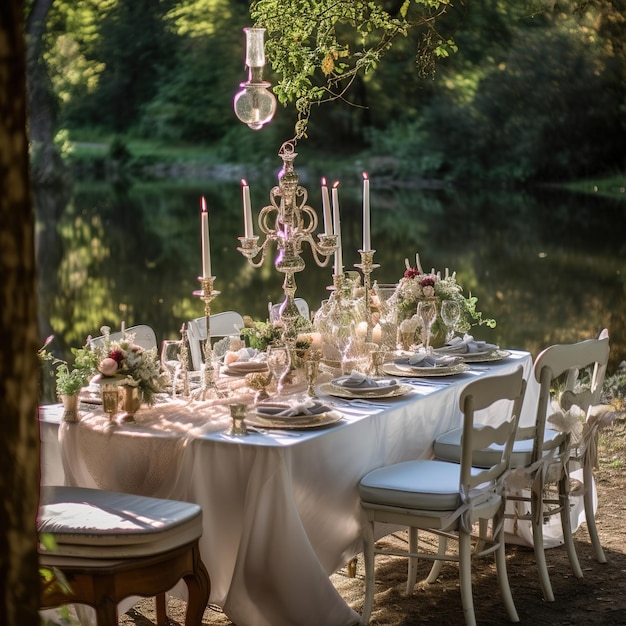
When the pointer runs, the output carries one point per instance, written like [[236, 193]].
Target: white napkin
[[250, 354], [466, 345], [423, 359], [292, 408], [356, 380]]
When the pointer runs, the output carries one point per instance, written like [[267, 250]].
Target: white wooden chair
[[447, 498], [540, 481], [110, 546], [144, 336], [222, 324], [584, 452]]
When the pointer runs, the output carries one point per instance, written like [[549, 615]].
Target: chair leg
[[536, 501], [161, 609], [412, 572], [368, 557], [198, 586], [589, 512], [465, 577], [566, 524], [503, 578], [435, 570]]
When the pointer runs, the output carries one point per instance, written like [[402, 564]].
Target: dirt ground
[[598, 598]]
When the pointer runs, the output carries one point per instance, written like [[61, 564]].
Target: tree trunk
[[19, 443]]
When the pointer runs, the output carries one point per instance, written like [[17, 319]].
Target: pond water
[[548, 267]]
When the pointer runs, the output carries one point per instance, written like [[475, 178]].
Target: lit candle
[[367, 244], [337, 230], [248, 230], [328, 220], [206, 247]]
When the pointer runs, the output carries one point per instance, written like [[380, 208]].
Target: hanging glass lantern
[[254, 104]]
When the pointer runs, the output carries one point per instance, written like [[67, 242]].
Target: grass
[[613, 186]]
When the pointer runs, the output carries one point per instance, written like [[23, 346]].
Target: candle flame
[[243, 182], [336, 184], [365, 176], [323, 182], [203, 204]]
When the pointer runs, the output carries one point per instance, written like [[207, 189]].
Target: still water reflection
[[549, 267]]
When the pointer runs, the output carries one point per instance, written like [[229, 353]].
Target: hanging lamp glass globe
[[254, 104]]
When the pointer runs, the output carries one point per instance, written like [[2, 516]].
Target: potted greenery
[[69, 381], [69, 384]]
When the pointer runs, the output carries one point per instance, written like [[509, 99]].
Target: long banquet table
[[281, 509]]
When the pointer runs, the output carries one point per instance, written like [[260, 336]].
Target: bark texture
[[19, 340]]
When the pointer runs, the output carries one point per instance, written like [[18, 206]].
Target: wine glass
[[450, 314], [170, 360], [278, 362], [427, 312]]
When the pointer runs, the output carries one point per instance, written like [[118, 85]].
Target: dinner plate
[[363, 389], [380, 393], [485, 357], [410, 370], [311, 421], [241, 368]]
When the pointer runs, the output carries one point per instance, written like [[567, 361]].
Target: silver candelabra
[[289, 222]]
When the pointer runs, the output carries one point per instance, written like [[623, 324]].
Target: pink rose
[[108, 366]]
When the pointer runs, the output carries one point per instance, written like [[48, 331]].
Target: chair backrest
[[144, 336], [586, 396], [222, 324], [476, 396], [568, 360], [301, 303]]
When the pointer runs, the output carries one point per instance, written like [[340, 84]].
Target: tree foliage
[[524, 90]]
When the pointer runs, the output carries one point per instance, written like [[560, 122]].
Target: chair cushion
[[93, 523], [447, 447], [422, 485]]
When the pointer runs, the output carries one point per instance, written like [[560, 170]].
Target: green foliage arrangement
[[69, 380]]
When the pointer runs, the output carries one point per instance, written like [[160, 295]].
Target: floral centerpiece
[[417, 285], [129, 364]]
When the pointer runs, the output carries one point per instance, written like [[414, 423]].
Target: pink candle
[[206, 246], [248, 229], [328, 220], [367, 244], [337, 230]]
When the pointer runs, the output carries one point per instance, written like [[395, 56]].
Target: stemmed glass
[[427, 312], [450, 314], [278, 362], [170, 360]]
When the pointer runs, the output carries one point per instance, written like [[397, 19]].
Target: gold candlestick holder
[[366, 266], [184, 360], [207, 294]]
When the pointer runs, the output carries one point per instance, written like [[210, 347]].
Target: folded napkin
[[466, 345], [356, 380], [423, 359], [250, 354], [293, 408]]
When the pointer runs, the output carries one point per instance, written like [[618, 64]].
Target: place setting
[[424, 364], [360, 386], [470, 350]]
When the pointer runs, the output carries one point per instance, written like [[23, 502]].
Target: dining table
[[281, 507]]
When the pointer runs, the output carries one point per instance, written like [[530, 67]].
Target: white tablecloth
[[281, 513]]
